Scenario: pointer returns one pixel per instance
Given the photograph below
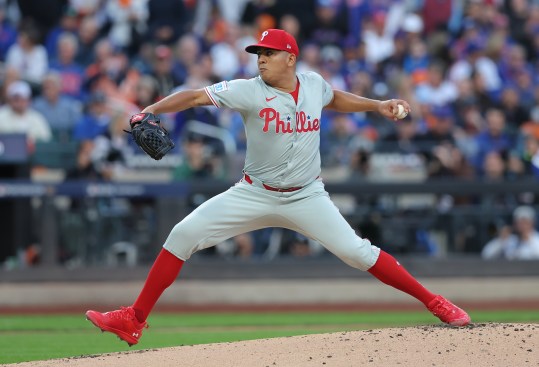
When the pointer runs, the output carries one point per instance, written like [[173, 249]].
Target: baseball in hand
[[401, 112]]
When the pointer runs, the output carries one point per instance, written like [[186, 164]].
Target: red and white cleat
[[121, 322], [448, 312]]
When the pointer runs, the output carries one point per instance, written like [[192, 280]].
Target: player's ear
[[291, 59]]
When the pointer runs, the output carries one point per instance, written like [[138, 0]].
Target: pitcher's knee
[[362, 256], [183, 240]]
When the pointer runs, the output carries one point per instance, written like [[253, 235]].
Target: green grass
[[37, 337]]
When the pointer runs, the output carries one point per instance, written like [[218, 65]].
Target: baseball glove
[[149, 135]]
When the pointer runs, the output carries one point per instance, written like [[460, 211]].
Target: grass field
[[38, 337]]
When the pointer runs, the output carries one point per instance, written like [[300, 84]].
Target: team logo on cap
[[264, 34]]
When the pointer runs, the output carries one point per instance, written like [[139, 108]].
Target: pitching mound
[[476, 345]]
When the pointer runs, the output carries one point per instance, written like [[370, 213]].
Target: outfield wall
[[321, 282]]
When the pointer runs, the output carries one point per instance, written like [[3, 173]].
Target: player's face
[[273, 64]]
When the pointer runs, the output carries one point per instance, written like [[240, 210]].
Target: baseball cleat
[[448, 312], [121, 322]]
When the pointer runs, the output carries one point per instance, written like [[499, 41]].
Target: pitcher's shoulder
[[309, 76]]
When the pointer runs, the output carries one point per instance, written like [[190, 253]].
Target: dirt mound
[[476, 345]]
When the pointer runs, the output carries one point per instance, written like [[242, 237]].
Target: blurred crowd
[[72, 72]]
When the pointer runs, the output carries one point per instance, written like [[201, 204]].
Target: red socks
[[167, 267], [164, 271], [388, 270]]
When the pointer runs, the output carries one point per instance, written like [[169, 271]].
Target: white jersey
[[283, 139]]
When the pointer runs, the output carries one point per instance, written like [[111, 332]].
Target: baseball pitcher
[[281, 184]]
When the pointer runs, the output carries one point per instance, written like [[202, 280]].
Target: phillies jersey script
[[283, 138]]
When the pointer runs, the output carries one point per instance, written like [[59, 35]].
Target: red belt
[[267, 187]]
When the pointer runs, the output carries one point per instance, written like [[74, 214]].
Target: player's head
[[277, 51]]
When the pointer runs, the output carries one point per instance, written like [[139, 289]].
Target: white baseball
[[401, 112]]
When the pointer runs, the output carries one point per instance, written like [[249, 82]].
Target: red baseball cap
[[276, 39]]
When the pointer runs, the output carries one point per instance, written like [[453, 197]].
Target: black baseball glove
[[150, 135]]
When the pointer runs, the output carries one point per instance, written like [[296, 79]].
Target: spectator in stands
[[162, 70], [198, 161], [417, 61], [436, 14], [483, 98], [443, 157], [188, 52], [496, 247], [166, 21], [526, 163], [200, 75], [71, 73], [95, 120], [518, 12], [516, 113], [336, 143], [299, 246], [524, 85], [436, 90], [241, 246], [85, 168], [496, 169], [69, 23], [514, 62], [147, 91], [291, 24], [476, 60], [361, 83], [109, 71], [61, 112], [531, 127], [27, 56], [466, 99], [88, 33], [403, 140], [310, 58], [440, 124], [493, 138], [330, 24], [128, 22], [493, 167], [18, 117], [248, 66], [111, 150], [360, 162], [470, 124], [8, 32], [379, 42], [523, 244], [225, 54], [331, 62]]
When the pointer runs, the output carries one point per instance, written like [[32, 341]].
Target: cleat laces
[[124, 313]]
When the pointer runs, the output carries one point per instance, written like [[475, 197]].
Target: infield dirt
[[478, 345]]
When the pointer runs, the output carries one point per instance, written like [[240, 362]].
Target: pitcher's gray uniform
[[283, 141], [281, 186]]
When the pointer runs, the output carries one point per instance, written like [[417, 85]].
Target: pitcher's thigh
[[224, 216], [319, 219]]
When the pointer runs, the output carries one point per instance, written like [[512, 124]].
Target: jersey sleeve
[[327, 92], [321, 84], [235, 94]]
